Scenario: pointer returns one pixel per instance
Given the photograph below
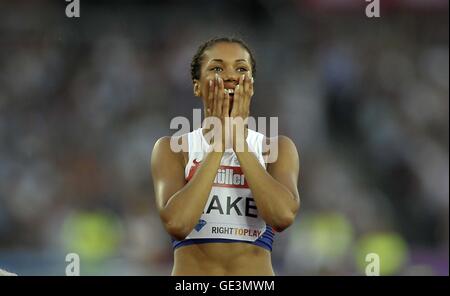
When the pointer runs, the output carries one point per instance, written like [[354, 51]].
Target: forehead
[[226, 51]]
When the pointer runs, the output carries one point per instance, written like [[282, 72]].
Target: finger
[[249, 93], [242, 97], [226, 105], [242, 80], [246, 95], [216, 94], [238, 97], [235, 108], [220, 97], [209, 101], [213, 98], [248, 85], [245, 82]]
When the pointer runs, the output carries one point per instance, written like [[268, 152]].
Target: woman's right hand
[[217, 114]]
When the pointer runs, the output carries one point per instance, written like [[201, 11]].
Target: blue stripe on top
[[264, 241]]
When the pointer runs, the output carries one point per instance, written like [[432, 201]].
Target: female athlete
[[220, 199]]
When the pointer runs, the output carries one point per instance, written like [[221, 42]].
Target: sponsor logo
[[227, 176], [200, 225], [237, 231]]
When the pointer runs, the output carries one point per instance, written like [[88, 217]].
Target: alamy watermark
[[373, 266], [373, 8], [216, 127], [73, 8], [73, 268]]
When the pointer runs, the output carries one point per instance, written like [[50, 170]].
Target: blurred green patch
[[92, 235]]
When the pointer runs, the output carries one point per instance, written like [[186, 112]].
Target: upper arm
[[167, 171], [286, 168]]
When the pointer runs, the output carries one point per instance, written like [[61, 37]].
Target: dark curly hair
[[197, 59]]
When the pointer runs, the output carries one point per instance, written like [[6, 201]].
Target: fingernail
[[252, 80], [210, 83]]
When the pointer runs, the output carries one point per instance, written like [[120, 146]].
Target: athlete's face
[[229, 60]]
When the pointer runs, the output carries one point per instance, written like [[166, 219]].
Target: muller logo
[[227, 176], [230, 176]]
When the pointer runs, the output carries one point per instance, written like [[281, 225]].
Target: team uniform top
[[230, 214]]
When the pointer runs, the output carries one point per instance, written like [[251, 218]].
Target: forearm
[[185, 207], [276, 204]]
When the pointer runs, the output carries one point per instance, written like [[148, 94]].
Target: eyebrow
[[221, 61]]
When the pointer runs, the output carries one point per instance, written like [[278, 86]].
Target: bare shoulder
[[162, 146], [287, 145], [280, 140], [170, 148], [167, 169], [172, 144], [279, 146], [161, 143]]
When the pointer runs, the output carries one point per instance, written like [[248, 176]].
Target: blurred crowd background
[[83, 100]]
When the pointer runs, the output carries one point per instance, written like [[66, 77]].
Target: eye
[[242, 69], [216, 69]]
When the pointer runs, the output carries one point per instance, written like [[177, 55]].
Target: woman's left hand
[[241, 111]]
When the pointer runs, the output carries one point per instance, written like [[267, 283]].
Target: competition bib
[[230, 212]]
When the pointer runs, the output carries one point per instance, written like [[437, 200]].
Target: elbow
[[176, 230], [286, 218], [283, 222]]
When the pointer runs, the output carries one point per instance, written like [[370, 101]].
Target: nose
[[230, 75]]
